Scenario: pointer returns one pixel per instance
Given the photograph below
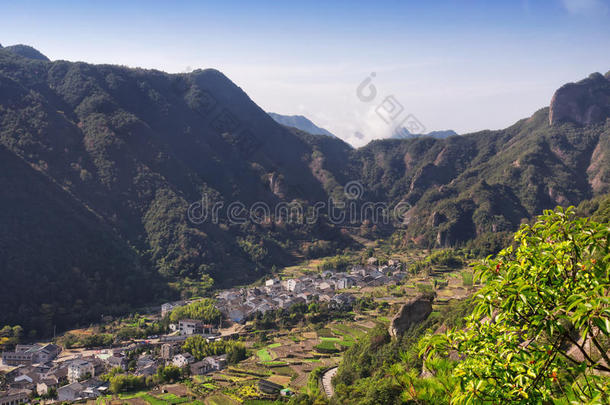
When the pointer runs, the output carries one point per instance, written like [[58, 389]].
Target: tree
[[204, 310], [199, 347], [10, 336], [169, 374], [126, 382], [540, 331]]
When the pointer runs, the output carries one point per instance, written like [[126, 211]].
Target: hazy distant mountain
[[299, 122], [403, 133]]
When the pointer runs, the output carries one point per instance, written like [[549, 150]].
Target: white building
[[272, 282], [166, 309], [345, 283], [78, 369], [190, 327], [182, 360], [325, 285], [292, 284]]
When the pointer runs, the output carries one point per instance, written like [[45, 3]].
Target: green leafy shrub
[[540, 331]]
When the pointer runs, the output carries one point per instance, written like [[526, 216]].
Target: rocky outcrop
[[413, 311], [586, 102], [437, 218]]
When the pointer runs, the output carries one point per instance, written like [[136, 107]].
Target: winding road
[[326, 381]]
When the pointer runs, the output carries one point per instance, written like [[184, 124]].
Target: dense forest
[[101, 164]]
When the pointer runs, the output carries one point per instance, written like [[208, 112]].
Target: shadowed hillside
[[136, 148]]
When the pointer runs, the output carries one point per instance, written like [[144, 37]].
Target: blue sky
[[464, 65]]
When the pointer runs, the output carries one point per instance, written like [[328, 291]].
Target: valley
[[164, 240], [281, 352], [113, 158]]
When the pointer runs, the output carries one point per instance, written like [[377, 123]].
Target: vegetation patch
[[326, 347], [220, 400], [264, 355]]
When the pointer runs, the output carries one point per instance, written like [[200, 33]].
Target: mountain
[[26, 51], [107, 172], [480, 187], [403, 133], [585, 102], [299, 122], [128, 152], [59, 262], [484, 184]]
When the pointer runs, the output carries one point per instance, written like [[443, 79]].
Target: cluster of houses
[[14, 396], [30, 354], [35, 370], [170, 352], [332, 287]]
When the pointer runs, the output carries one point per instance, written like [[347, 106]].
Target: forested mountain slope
[[134, 149], [101, 163]]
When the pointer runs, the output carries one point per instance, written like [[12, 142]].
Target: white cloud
[[586, 7]]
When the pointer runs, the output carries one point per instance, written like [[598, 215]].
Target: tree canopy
[[204, 310], [541, 327]]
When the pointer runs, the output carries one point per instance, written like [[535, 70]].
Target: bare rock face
[[586, 102], [413, 311]]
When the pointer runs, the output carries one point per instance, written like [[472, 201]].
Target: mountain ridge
[[300, 122], [129, 151], [26, 51], [404, 133]]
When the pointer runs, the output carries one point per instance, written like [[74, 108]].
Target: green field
[[264, 355], [343, 330], [274, 363], [146, 397], [326, 346], [173, 399], [164, 399]]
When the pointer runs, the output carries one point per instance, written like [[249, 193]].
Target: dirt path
[[326, 381]]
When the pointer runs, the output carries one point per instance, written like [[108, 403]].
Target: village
[[328, 286], [52, 373]]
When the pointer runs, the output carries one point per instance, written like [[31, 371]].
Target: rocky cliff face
[[586, 102], [413, 311]]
